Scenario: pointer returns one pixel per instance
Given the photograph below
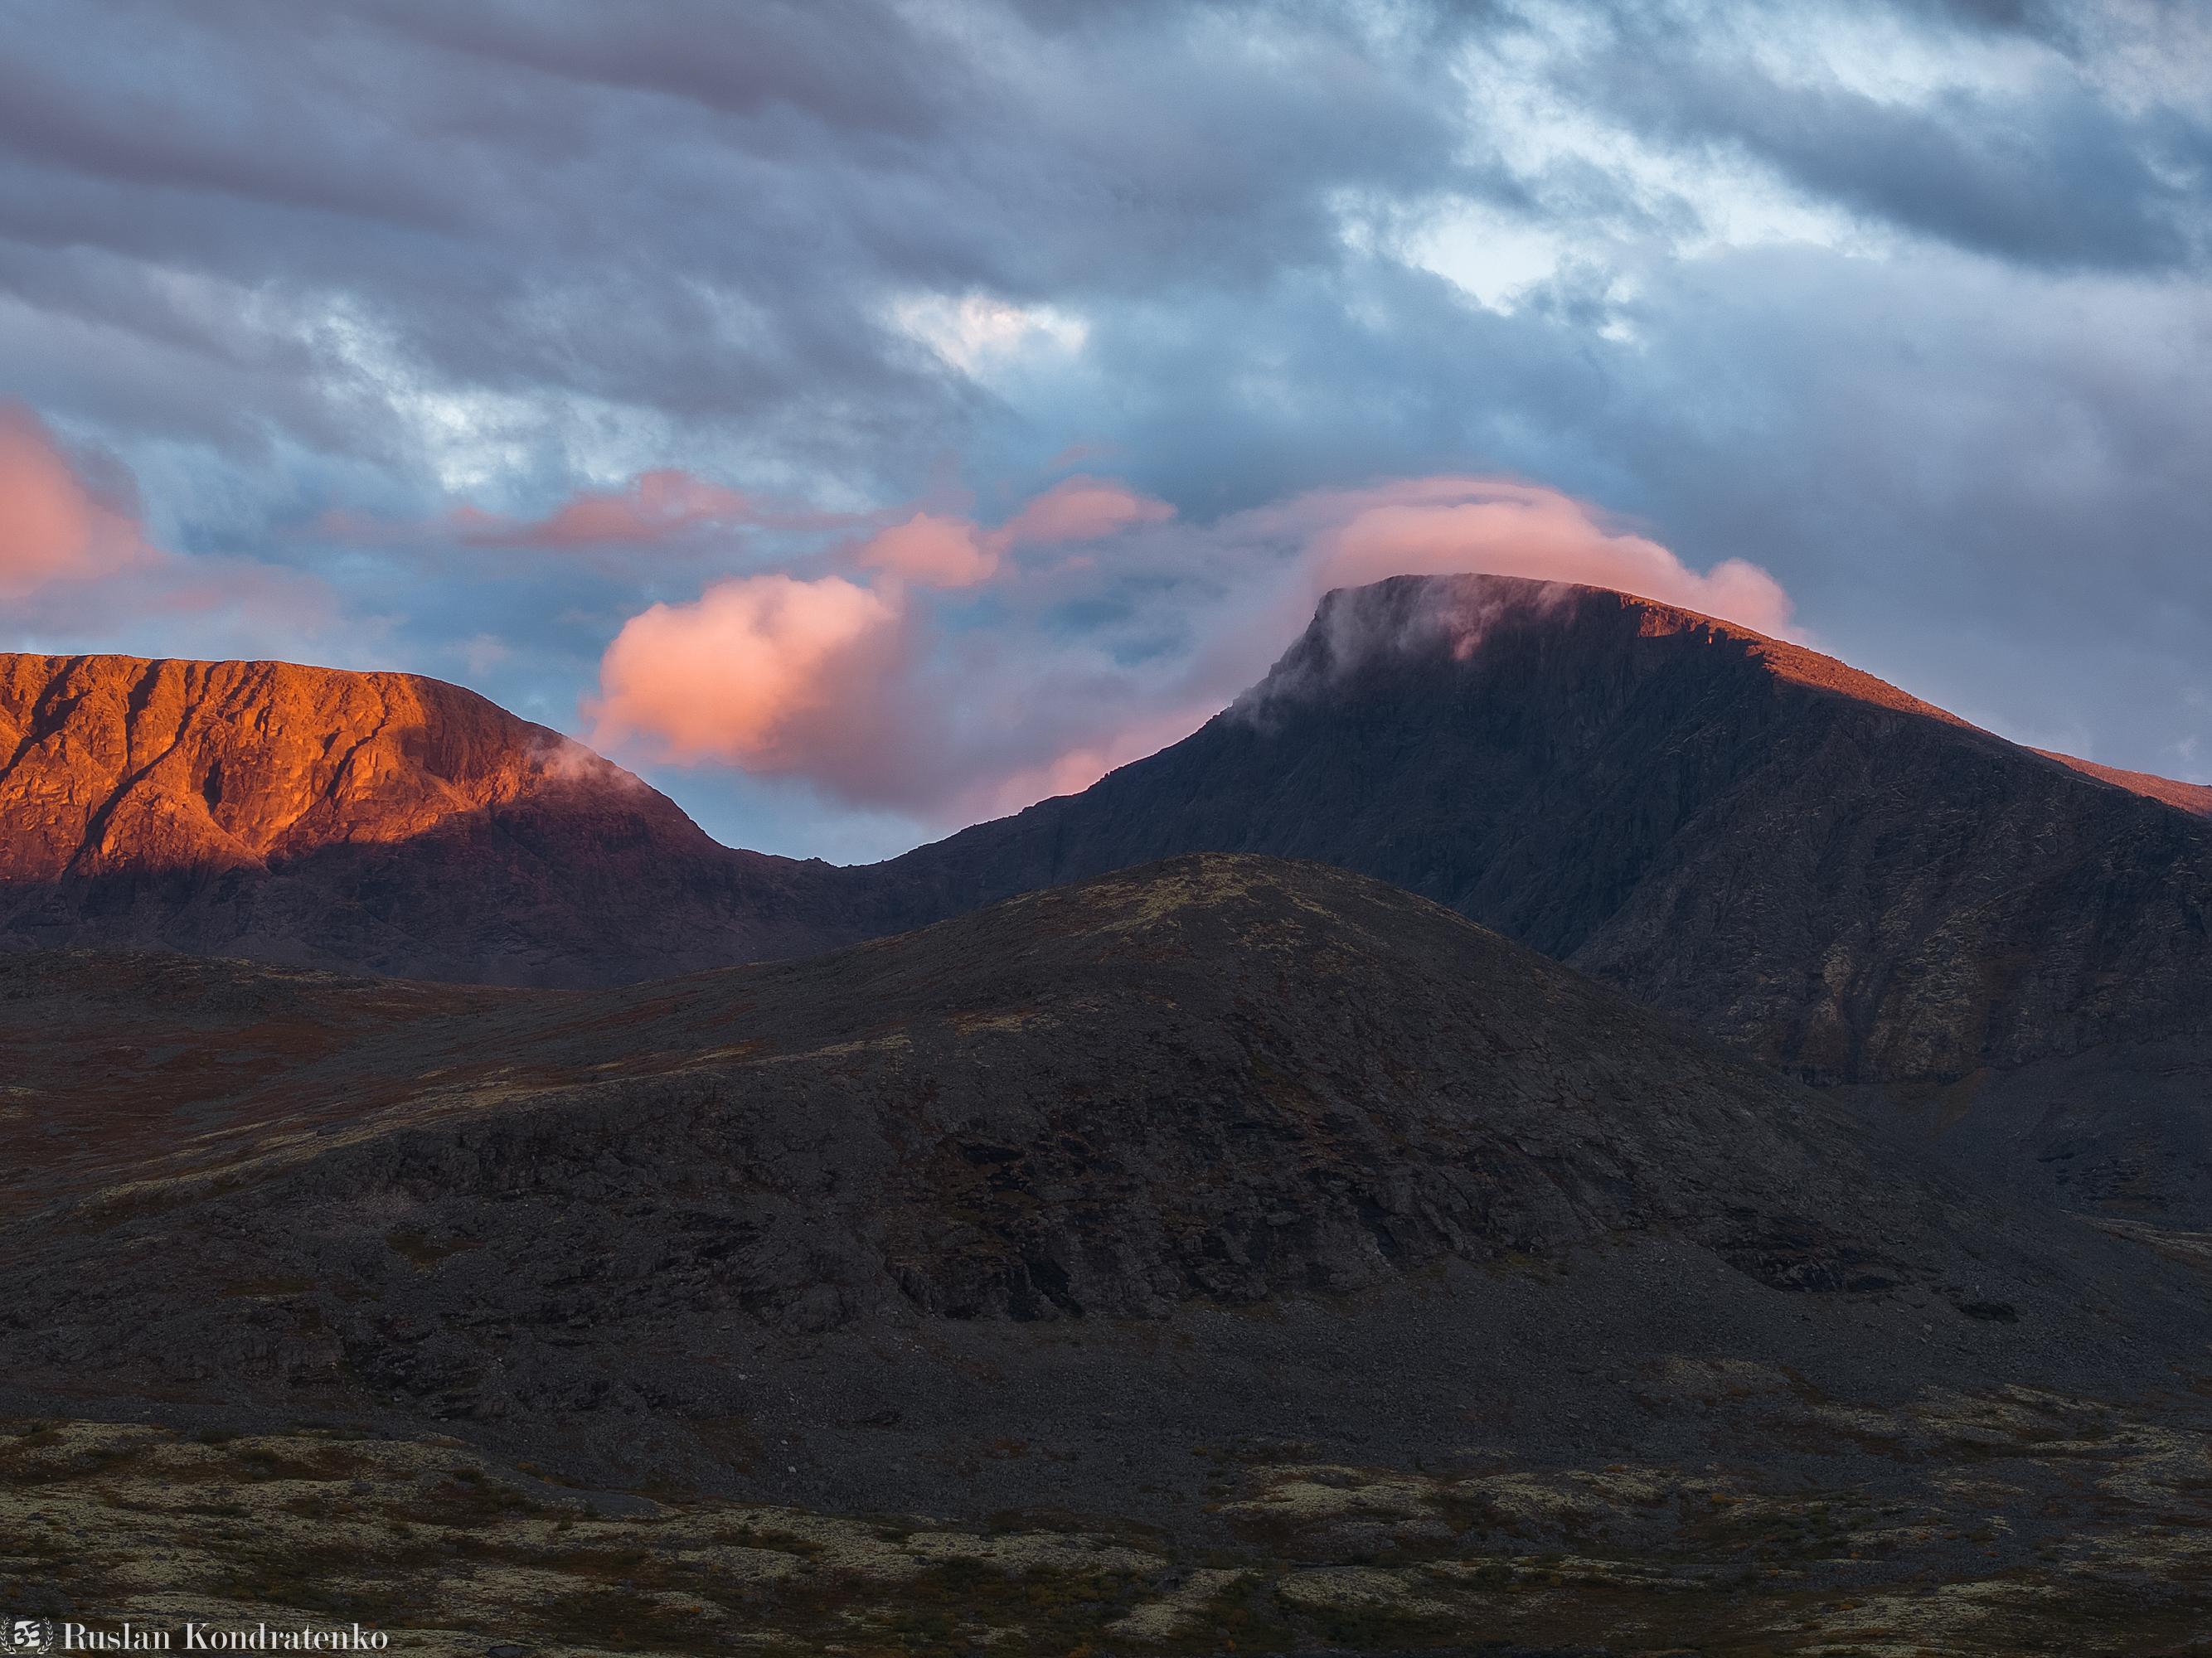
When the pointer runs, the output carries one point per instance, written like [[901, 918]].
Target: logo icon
[[26, 1637]]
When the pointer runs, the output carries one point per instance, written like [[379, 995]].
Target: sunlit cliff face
[[116, 763]]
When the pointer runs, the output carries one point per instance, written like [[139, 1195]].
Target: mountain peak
[[1852, 883], [1414, 616]]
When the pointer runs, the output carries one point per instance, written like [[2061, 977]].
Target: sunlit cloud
[[53, 528], [656, 506], [775, 675], [76, 566]]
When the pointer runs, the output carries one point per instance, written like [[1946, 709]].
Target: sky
[[865, 418]]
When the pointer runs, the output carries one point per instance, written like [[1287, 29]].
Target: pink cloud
[[657, 509], [76, 565], [1451, 526], [775, 675], [936, 552], [52, 529], [1081, 509], [656, 506], [956, 552]]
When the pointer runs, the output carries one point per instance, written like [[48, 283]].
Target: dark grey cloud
[[2049, 175], [851, 65]]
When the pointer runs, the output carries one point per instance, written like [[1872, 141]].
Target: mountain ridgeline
[[1852, 885]]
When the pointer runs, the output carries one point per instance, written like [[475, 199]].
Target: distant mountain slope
[[1853, 883], [379, 823]]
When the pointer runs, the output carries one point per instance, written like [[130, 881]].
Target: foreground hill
[[1426, 1246], [378, 822]]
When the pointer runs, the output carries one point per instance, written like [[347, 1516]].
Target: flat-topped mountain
[[1222, 1146], [381, 823]]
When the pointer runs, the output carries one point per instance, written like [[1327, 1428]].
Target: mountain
[[1852, 883], [379, 822], [1015, 1209]]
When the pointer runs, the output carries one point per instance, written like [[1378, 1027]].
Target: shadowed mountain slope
[[1852, 883], [378, 822], [1221, 1146]]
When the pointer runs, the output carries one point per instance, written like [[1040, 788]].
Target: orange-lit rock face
[[375, 823], [116, 763]]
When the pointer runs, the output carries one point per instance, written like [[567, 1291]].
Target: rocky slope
[[1013, 1209], [379, 823]]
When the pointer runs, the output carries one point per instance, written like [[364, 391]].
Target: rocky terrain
[[1226, 1250], [377, 822], [2017, 1523]]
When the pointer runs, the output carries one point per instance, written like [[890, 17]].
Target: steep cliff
[[381, 823]]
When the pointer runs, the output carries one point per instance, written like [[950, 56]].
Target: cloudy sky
[[864, 417]]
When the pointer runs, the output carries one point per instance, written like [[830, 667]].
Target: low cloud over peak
[[889, 695]]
